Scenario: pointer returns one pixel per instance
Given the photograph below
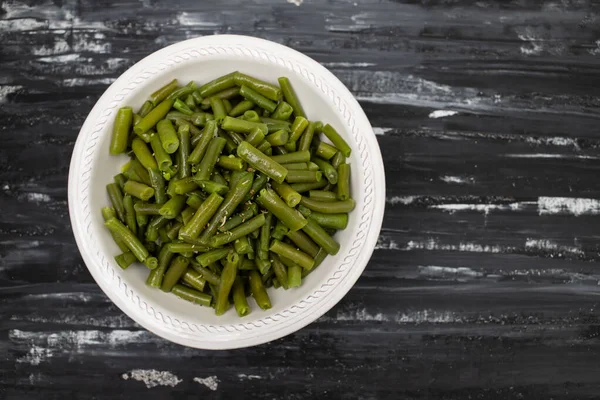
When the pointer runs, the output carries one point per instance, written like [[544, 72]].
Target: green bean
[[278, 138], [286, 214], [180, 92], [247, 264], [307, 136], [285, 250], [268, 90], [296, 166], [213, 256], [107, 213], [174, 273], [155, 277], [290, 96], [251, 116], [222, 95], [305, 187], [232, 200], [239, 298], [163, 236], [153, 227], [208, 275], [158, 184], [257, 98], [230, 144], [121, 127], [312, 166], [237, 232], [303, 176], [191, 295], [289, 195], [264, 266], [298, 126], [334, 207], [328, 170], [337, 160], [145, 108], [303, 242], [173, 207], [124, 260], [213, 187], [289, 147], [218, 108], [190, 102], [321, 237], [279, 270], [203, 214], [265, 233], [283, 111], [295, 157], [195, 200], [130, 213], [242, 245], [217, 85], [120, 180], [185, 185], [185, 167], [151, 262], [228, 106], [187, 214], [343, 186], [236, 137], [255, 137], [194, 279], [132, 242], [265, 148], [143, 154], [241, 107], [261, 162], [173, 231], [337, 140], [239, 218], [163, 92], [163, 159], [330, 221], [279, 231], [197, 96], [231, 163], [294, 276], [218, 178], [203, 141], [227, 279], [158, 113], [168, 136], [137, 172], [242, 126], [206, 166], [258, 290], [178, 247], [274, 125], [322, 195], [139, 190], [259, 183], [116, 199], [325, 150], [182, 107], [234, 178]]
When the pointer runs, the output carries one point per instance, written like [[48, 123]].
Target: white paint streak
[[21, 25], [568, 205], [548, 245], [381, 131], [442, 113], [385, 243], [60, 46], [596, 51], [348, 64], [360, 315], [71, 82], [211, 382], [400, 200], [460, 273], [36, 355], [61, 58], [74, 296], [5, 90], [196, 19], [485, 208], [468, 247], [550, 155], [553, 141], [295, 2], [152, 377], [249, 377], [457, 179], [426, 316], [38, 197]]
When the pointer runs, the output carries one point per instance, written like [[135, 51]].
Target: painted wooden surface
[[485, 280]]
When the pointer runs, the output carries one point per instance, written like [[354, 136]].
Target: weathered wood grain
[[485, 280]]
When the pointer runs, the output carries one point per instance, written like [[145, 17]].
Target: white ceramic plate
[[323, 97]]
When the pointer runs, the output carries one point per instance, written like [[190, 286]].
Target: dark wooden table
[[485, 280]]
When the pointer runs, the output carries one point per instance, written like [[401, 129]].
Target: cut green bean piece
[[325, 150], [303, 176], [130, 213], [158, 184], [180, 92], [153, 227], [174, 273], [258, 290], [231, 163], [227, 280], [223, 95], [163, 92], [203, 214], [155, 277], [204, 139], [334, 207], [304, 242], [194, 279], [230, 144], [266, 89], [278, 138], [163, 159], [298, 126], [239, 218], [295, 157], [191, 295], [241, 107], [242, 126], [322, 195], [283, 111], [265, 148], [168, 136], [151, 262], [239, 298], [285, 250], [116, 199], [185, 185], [274, 125], [279, 270], [184, 150], [212, 187], [120, 180], [255, 137], [337, 160], [143, 154], [330, 221], [305, 187], [213, 256], [242, 245], [108, 213], [261, 162], [321, 237], [328, 170], [296, 166], [208, 275], [173, 207], [294, 276], [289, 195], [120, 133], [138, 172], [206, 166], [182, 107], [217, 85], [132, 242], [257, 98], [139, 190], [259, 183], [286, 214], [290, 96], [173, 231], [178, 248], [279, 231], [343, 185], [337, 140], [197, 96], [124, 260], [158, 113], [145, 108], [263, 265], [307, 137], [237, 232], [218, 108]]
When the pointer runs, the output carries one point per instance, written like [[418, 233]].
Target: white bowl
[[323, 97]]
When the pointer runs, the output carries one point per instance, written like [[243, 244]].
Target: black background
[[485, 280]]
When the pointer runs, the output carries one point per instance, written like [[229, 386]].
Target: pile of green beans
[[229, 190]]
